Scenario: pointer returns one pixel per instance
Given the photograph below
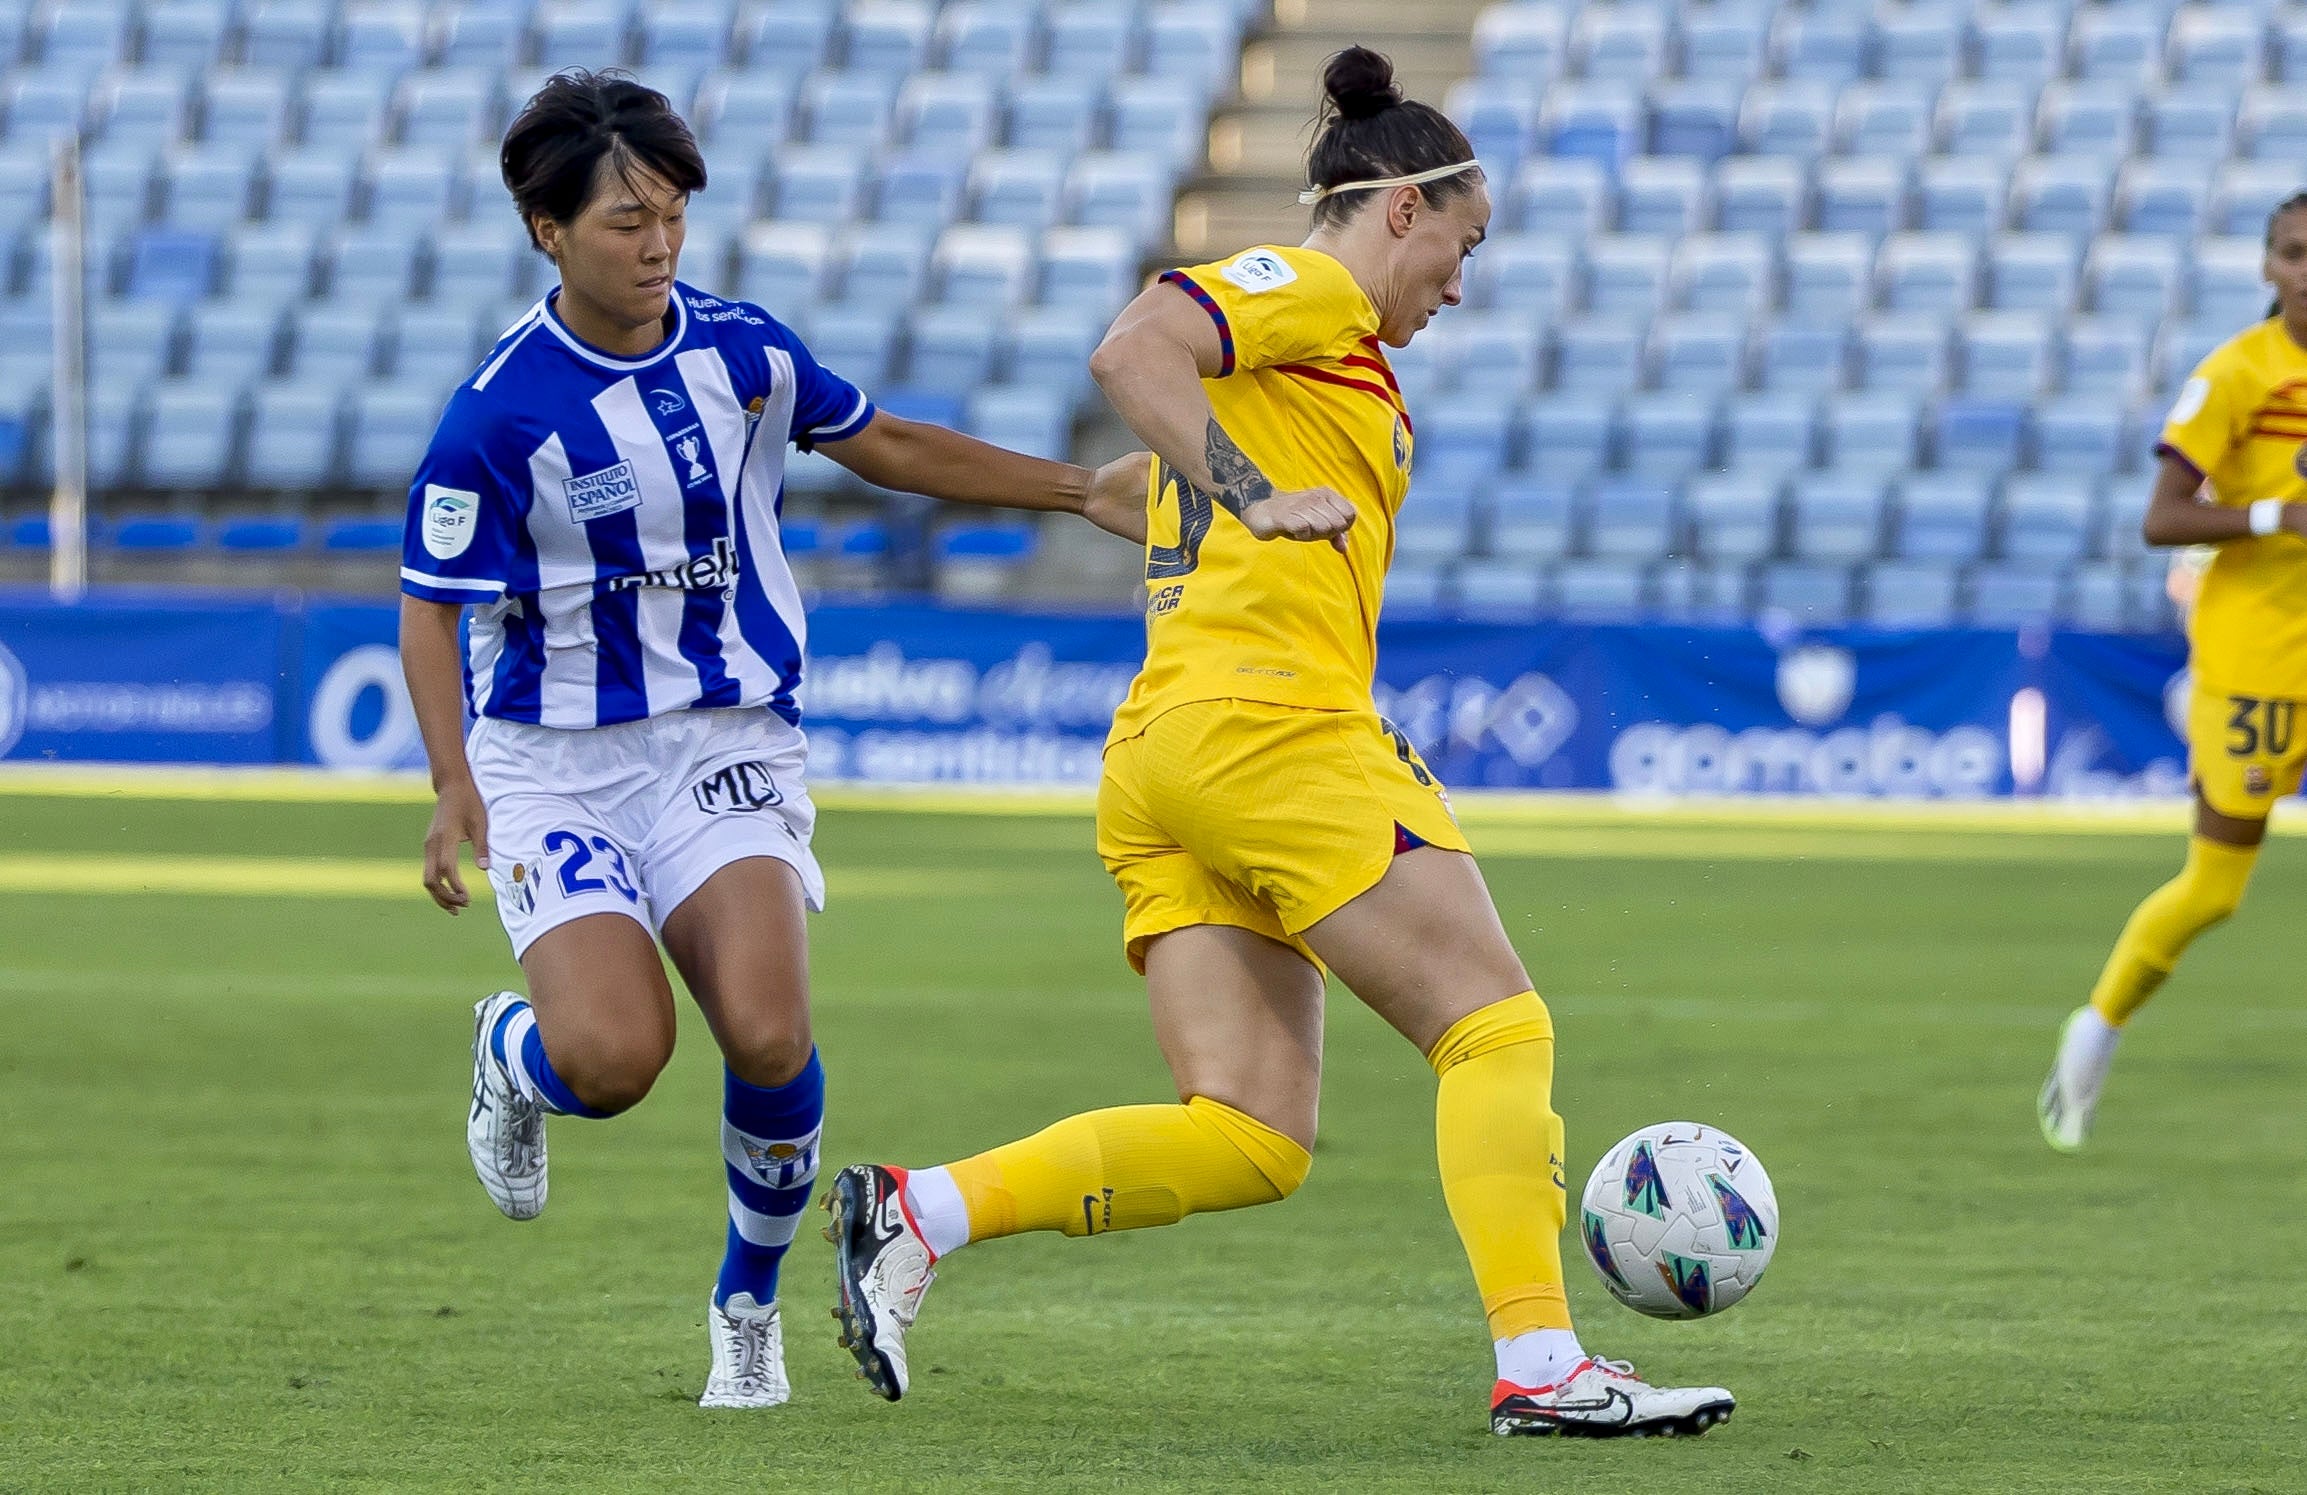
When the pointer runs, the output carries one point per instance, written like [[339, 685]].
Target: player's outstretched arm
[[1151, 366], [436, 688], [2177, 515], [913, 456]]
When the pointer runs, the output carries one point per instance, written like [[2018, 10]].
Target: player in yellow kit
[[2232, 474], [1260, 817]]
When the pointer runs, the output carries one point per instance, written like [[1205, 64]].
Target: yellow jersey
[[1305, 391], [2241, 421]]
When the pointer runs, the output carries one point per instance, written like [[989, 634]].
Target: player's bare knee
[[617, 1074], [769, 1053]]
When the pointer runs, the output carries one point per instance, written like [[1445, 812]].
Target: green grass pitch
[[241, 1249]]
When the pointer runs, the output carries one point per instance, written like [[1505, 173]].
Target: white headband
[[1415, 178]]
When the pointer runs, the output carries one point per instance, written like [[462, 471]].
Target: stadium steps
[[1247, 192]]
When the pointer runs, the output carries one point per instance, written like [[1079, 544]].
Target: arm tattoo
[[1236, 479]]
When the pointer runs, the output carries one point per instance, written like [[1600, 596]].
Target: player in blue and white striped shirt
[[604, 493]]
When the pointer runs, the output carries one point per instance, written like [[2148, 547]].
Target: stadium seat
[[1861, 194], [156, 534], [1498, 354], [1500, 118], [1819, 44], [2088, 118], [2211, 48], [1034, 421], [312, 186], [1815, 595], [921, 190], [1049, 347], [1436, 524], [1666, 436], [2017, 43], [1626, 274], [333, 346], [1122, 190], [1468, 437], [1930, 273], [1827, 276], [1054, 113], [1759, 194], [2029, 272], [1901, 351], [1770, 434], [784, 267], [1565, 197], [230, 344], [1568, 436], [1157, 117], [485, 261], [1979, 435], [1921, 43], [2046, 518], [379, 41], [361, 536], [2083, 433], [1702, 592], [388, 428], [2161, 197], [1499, 588], [1734, 516], [1598, 355], [878, 264], [817, 183], [953, 113], [1910, 594], [2104, 357], [2272, 121], [1660, 195], [1024, 188], [2011, 596], [373, 264], [734, 107], [184, 34], [2131, 277], [1721, 42], [1599, 591], [1878, 432], [1525, 273], [189, 433], [292, 435], [1836, 516], [1790, 117], [1531, 518], [860, 343], [1697, 119], [1621, 43], [1985, 118], [2222, 281], [208, 186], [260, 534], [1961, 194], [951, 347], [1879, 118], [2187, 124], [1698, 353], [1601, 121], [2060, 194], [2246, 194], [1193, 44], [2115, 42], [2005, 355], [1629, 520], [1721, 273], [1806, 355]]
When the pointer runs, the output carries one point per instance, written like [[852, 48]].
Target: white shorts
[[633, 818]]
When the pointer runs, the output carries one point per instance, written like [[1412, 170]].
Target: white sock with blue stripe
[[769, 1151]]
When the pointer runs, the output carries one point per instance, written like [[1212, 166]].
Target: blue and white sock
[[520, 1048], [769, 1150]]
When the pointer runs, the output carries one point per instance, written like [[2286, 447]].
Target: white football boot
[[1605, 1399], [2070, 1096], [504, 1131], [883, 1268], [748, 1355]]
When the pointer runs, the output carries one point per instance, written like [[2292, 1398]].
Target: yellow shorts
[[1267, 818], [2245, 752]]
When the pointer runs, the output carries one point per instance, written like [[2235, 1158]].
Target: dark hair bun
[[1360, 83]]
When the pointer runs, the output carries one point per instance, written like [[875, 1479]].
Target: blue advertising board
[[914, 692]]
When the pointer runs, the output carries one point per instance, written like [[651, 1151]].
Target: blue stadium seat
[[479, 37], [230, 344], [1437, 520], [1518, 272], [1621, 43], [487, 260], [1416, 584], [409, 186], [1789, 117], [786, 36], [1468, 437], [1804, 354], [1872, 431], [2272, 122], [331, 346], [1192, 44], [1568, 436], [1531, 518], [1702, 592], [1500, 588], [1759, 194], [1723, 41], [848, 108], [2060, 194], [2029, 272], [310, 186], [1160, 117], [1561, 196], [2184, 345], [244, 107], [2131, 277], [1056, 113], [879, 264], [1034, 421], [361, 536], [1961, 194], [1601, 121], [1910, 594], [1600, 591], [1877, 118], [1500, 118], [2082, 434], [1630, 519], [739, 107], [1865, 195], [1090, 267], [286, 34], [1660, 195], [950, 113], [2105, 357], [2222, 281], [435, 348], [1698, 353], [1521, 43], [184, 34], [2096, 597], [1827, 275], [989, 265], [208, 186], [1666, 436], [2190, 125], [23, 187], [1697, 119], [2124, 509], [1921, 43], [1496, 354], [784, 266], [1626, 274], [80, 37], [2046, 518], [1598, 355], [2005, 355], [1050, 346], [1770, 434], [2247, 193], [922, 190], [817, 183], [1726, 272], [146, 106], [112, 430], [189, 434], [345, 111], [2088, 118], [2216, 48], [156, 534], [1979, 435], [2115, 41], [1985, 118], [41, 107], [1836, 516], [274, 259], [1126, 190], [173, 267], [1820, 44], [2161, 197], [1931, 273], [858, 342], [129, 344], [951, 347], [1090, 39], [373, 264], [260, 534], [1902, 351], [379, 41], [2017, 43], [1817, 596], [682, 36], [2011, 596], [1734, 516], [387, 432]]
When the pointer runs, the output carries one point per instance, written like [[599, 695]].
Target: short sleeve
[[826, 407], [1271, 308], [464, 517], [2201, 424]]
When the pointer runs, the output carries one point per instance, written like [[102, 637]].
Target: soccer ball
[[1680, 1220]]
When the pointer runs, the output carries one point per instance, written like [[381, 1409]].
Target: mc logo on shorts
[[739, 789]]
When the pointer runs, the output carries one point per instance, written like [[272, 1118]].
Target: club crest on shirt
[[753, 409], [597, 495]]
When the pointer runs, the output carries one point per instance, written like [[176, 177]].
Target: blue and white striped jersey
[[614, 521]]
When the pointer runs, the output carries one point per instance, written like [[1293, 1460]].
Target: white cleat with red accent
[[1605, 1399]]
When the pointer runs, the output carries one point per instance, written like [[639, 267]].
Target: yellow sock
[[1500, 1146], [1127, 1168], [2207, 890]]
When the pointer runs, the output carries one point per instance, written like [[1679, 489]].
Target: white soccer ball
[[1680, 1220]]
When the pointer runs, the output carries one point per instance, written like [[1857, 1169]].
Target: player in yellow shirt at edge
[[1263, 821], [2232, 474]]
